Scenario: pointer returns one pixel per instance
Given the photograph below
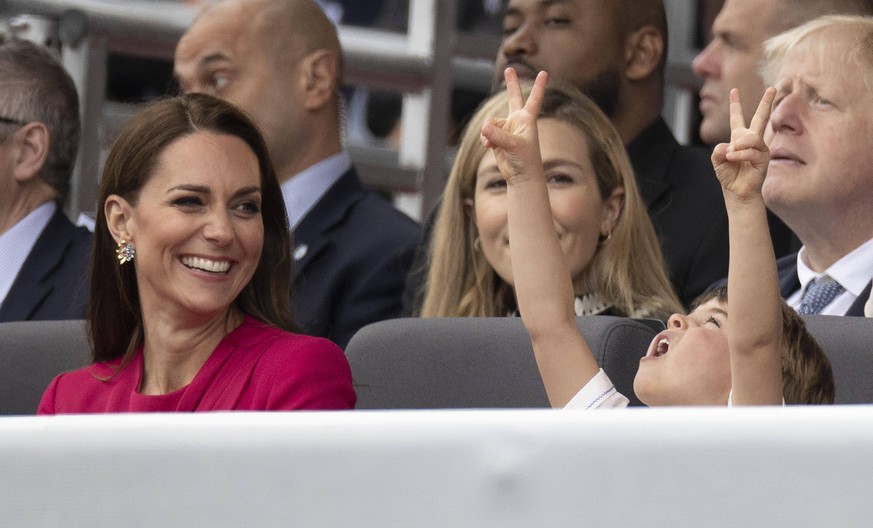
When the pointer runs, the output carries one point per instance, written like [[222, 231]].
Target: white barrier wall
[[636, 468]]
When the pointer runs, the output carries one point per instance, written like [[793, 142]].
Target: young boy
[[761, 354]]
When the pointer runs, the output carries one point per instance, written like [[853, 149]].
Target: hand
[[514, 139], [742, 164]]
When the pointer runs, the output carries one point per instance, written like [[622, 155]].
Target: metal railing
[[424, 64], [418, 64]]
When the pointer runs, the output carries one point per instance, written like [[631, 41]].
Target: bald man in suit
[[281, 62]]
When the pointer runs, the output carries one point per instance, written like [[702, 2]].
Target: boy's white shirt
[[600, 393]]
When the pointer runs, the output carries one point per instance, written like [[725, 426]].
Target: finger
[[513, 90], [718, 153], [537, 93], [762, 114], [736, 112], [750, 155], [493, 121], [483, 138], [498, 138], [749, 140]]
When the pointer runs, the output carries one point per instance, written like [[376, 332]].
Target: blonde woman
[[604, 230]]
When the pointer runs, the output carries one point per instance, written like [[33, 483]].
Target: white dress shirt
[[17, 243], [303, 190], [600, 393], [853, 272]]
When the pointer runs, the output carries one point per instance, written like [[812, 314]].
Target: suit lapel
[[857, 308], [788, 281], [650, 154], [30, 289], [311, 235]]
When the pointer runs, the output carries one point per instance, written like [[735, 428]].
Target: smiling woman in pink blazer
[[190, 278]]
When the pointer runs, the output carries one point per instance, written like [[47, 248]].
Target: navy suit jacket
[[353, 250], [789, 283], [53, 281]]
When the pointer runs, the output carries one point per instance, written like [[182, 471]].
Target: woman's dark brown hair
[[114, 313]]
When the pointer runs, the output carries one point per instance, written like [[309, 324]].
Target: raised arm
[[543, 288], [754, 323]]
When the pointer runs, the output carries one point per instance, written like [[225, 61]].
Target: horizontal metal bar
[[161, 20], [380, 59]]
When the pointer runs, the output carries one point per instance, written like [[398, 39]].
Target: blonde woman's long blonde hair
[[627, 271]]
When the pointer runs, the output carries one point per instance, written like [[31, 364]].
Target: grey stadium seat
[[477, 362], [848, 343], [34, 352]]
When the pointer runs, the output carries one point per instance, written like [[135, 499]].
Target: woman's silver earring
[[477, 245], [125, 252], [604, 241]]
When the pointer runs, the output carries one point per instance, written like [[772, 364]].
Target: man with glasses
[[43, 256]]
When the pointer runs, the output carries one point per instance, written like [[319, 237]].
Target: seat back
[[34, 352], [848, 343], [476, 362]]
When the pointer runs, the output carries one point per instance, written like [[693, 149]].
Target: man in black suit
[[615, 51], [280, 61], [43, 256], [820, 177]]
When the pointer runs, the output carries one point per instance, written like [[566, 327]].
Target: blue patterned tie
[[819, 293]]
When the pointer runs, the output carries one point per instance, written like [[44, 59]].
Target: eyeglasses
[[11, 121]]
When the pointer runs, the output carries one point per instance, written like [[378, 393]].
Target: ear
[[643, 51], [119, 218], [319, 71], [470, 210], [31, 143], [612, 207]]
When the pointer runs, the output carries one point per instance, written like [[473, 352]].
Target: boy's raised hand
[[514, 138], [754, 326], [742, 164]]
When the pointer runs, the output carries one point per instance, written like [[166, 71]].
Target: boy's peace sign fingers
[[742, 164], [535, 99], [513, 139], [759, 120], [515, 99], [762, 114], [737, 121]]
